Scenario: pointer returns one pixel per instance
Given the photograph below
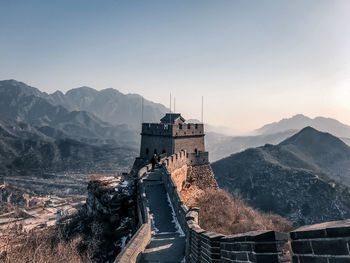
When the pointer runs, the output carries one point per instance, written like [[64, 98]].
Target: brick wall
[[179, 177], [153, 143], [189, 143]]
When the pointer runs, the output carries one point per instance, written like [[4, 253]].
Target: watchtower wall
[[161, 138], [155, 145]]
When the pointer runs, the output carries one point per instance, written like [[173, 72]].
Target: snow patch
[[123, 242], [124, 184], [153, 226], [175, 221]]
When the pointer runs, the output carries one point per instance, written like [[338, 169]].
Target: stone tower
[[171, 136]]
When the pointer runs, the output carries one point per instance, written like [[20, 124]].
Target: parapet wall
[[182, 158], [323, 243], [142, 237]]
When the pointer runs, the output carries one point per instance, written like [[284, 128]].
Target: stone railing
[[134, 248], [206, 246]]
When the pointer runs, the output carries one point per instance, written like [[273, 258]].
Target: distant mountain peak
[[308, 134], [300, 116], [84, 90], [299, 121]]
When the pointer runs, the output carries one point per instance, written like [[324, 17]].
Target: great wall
[[322, 243]]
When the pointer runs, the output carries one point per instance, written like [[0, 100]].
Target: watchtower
[[171, 136]]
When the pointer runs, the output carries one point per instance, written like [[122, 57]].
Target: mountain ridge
[[300, 121], [290, 179], [21, 102]]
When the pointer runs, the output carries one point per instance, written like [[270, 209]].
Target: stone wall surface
[[179, 177], [150, 144], [189, 143]]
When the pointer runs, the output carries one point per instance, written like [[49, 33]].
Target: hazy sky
[[253, 61]]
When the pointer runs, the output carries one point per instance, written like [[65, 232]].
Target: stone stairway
[[167, 244]]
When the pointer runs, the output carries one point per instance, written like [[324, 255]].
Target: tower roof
[[172, 118]]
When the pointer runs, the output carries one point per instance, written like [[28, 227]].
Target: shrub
[[226, 214], [40, 246]]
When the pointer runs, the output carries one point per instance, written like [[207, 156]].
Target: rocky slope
[[303, 178], [112, 202]]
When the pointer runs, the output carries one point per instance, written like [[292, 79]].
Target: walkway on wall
[[167, 244]]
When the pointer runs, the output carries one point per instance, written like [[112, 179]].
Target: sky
[[254, 62]]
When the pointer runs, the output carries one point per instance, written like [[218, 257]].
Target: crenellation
[[172, 135]]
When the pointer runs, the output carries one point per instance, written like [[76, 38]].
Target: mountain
[[220, 145], [300, 121], [305, 178], [110, 105], [25, 149], [21, 102]]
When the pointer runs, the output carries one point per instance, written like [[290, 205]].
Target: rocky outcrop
[[112, 201], [202, 176]]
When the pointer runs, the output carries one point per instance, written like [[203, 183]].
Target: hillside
[[303, 178], [300, 121], [23, 148]]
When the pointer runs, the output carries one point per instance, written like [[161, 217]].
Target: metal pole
[[202, 109], [174, 104], [170, 102], [142, 111]]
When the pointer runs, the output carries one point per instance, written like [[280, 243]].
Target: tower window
[[196, 151], [180, 126], [196, 126], [147, 151], [188, 126]]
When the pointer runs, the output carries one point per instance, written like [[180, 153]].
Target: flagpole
[[202, 109]]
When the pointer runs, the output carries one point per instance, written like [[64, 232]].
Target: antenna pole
[[174, 104], [142, 111], [170, 102], [202, 109]]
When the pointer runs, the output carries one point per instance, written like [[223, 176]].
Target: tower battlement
[[171, 135], [173, 130]]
